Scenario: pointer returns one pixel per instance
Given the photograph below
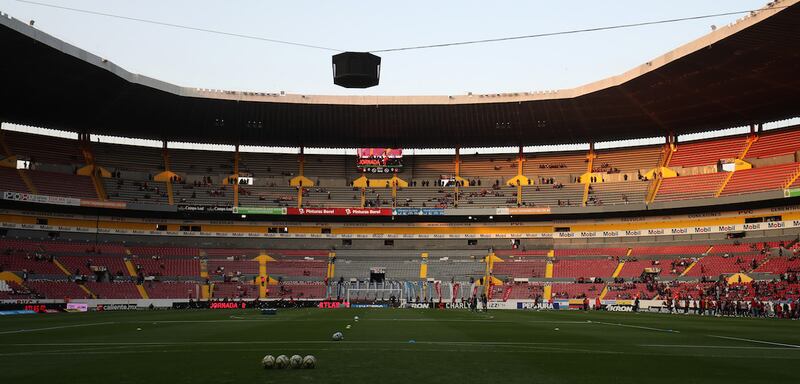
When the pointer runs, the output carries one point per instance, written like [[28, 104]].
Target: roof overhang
[[740, 74]]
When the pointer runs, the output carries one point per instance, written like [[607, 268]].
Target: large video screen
[[380, 160]]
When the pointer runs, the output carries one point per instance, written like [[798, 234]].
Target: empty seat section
[[776, 143], [707, 152], [11, 181], [627, 160], [690, 187], [520, 268], [61, 184], [760, 179], [584, 268]]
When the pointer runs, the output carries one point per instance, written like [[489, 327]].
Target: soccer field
[[396, 346]]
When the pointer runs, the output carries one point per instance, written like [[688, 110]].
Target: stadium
[[457, 238]]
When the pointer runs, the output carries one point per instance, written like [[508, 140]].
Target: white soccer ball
[[281, 361], [309, 362], [338, 336], [268, 362], [296, 361]]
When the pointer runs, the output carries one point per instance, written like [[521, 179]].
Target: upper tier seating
[[11, 181], [760, 179], [44, 149], [619, 193], [61, 184], [775, 143], [632, 159], [707, 152], [129, 158], [138, 191], [690, 187]]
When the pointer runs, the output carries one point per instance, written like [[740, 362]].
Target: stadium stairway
[[689, 268], [142, 291], [618, 269], [66, 272], [605, 290], [129, 266], [263, 259], [548, 292], [548, 272]]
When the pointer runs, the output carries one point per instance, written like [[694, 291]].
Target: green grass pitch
[[203, 346]]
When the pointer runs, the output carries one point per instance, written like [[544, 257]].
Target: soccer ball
[[282, 361], [309, 362], [338, 336], [296, 361], [268, 361]]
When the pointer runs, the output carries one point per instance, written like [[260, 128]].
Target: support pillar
[[236, 176]]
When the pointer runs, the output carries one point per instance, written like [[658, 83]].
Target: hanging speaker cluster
[[356, 69]]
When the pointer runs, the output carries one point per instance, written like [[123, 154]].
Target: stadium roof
[[739, 74]]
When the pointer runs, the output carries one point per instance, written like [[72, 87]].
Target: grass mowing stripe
[[755, 341]]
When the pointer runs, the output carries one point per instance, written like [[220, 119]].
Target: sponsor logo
[[619, 308], [726, 228], [750, 227], [776, 224], [534, 306], [702, 229], [679, 231], [633, 233], [655, 231]]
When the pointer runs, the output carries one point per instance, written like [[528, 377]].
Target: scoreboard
[[380, 160]]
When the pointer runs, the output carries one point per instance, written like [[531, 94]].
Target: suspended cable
[[570, 32], [172, 25]]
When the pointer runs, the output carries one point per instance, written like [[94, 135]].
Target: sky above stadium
[[198, 59]]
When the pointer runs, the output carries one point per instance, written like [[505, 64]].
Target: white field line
[[58, 327], [755, 341], [710, 346], [637, 327]]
